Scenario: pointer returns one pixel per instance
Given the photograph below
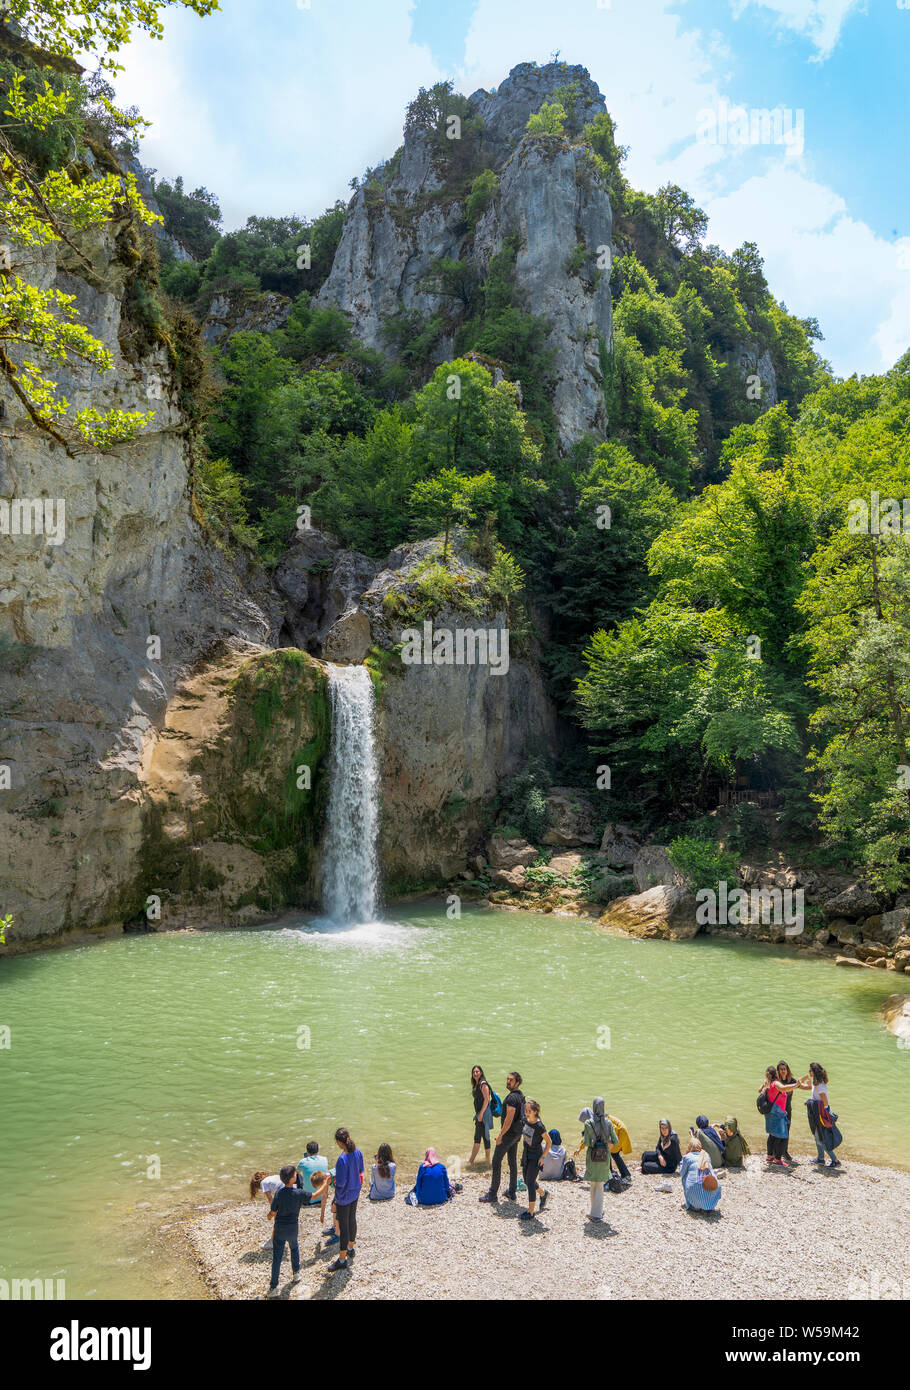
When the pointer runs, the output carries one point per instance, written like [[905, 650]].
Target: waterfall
[[349, 853]]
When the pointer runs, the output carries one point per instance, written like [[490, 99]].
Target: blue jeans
[[278, 1243]]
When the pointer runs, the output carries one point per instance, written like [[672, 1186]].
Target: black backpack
[[600, 1149], [763, 1104]]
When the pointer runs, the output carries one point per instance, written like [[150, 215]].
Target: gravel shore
[[806, 1233]]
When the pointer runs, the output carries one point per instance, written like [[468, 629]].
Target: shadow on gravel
[[333, 1284], [599, 1230], [257, 1257]]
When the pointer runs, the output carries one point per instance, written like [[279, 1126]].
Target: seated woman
[[433, 1186], [700, 1186], [666, 1157], [554, 1160], [736, 1150], [710, 1140], [382, 1175]]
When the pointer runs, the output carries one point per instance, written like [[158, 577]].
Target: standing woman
[[348, 1182], [822, 1107], [776, 1117], [483, 1112], [785, 1077], [597, 1138]]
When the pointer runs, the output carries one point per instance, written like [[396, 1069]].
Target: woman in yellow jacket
[[624, 1146]]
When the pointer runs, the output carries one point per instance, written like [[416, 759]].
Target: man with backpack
[[507, 1140]]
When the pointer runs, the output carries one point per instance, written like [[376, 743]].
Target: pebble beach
[[803, 1233]]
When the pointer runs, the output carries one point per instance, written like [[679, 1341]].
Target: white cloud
[[822, 261], [821, 21], [277, 110], [277, 115]]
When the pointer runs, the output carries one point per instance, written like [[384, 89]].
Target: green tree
[[449, 497], [39, 330], [192, 219], [550, 120]]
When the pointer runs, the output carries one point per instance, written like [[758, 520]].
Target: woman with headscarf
[[554, 1160], [736, 1150], [700, 1186], [712, 1141], [433, 1186], [666, 1157], [597, 1139]]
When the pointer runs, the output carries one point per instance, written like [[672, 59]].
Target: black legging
[[776, 1147], [650, 1163], [530, 1171], [500, 1152], [347, 1224]]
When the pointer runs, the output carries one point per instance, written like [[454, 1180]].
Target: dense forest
[[736, 622]]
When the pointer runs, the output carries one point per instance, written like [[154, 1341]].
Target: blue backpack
[[495, 1104]]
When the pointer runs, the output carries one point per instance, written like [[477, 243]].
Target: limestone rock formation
[[244, 313], [98, 631], [549, 198], [233, 789]]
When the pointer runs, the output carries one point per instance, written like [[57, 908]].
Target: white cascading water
[[349, 876]]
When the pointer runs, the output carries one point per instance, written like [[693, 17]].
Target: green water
[[187, 1047]]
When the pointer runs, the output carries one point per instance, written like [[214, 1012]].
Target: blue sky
[[274, 105]]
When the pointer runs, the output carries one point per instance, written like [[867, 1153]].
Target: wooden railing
[[728, 796]]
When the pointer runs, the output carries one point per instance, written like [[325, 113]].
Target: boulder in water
[[667, 910], [896, 1016]]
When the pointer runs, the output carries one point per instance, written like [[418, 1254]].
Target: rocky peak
[[505, 110], [548, 199]]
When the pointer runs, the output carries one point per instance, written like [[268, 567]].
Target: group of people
[[604, 1139], [310, 1183]]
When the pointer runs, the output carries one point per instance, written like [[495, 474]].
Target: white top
[[820, 1090], [271, 1185]]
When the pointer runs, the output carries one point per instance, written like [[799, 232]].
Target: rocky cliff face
[[548, 198], [447, 734], [97, 631]]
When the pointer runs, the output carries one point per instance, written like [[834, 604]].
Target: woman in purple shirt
[[348, 1182]]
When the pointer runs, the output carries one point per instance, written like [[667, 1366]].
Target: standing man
[[507, 1140], [284, 1211]]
